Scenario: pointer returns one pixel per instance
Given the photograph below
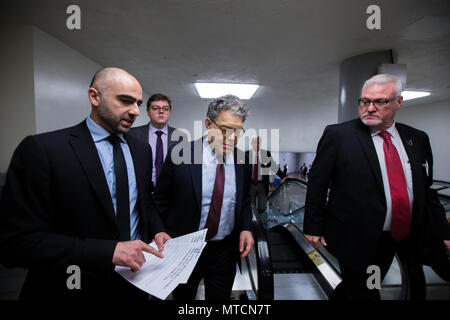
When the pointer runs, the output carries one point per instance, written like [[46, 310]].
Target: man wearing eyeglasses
[[210, 189], [157, 132], [379, 174]]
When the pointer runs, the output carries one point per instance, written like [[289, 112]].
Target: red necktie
[[397, 185], [212, 222], [255, 171]]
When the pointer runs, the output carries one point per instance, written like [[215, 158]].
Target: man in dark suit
[[81, 197], [379, 173], [209, 189], [263, 166], [157, 133]]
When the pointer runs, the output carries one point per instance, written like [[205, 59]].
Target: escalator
[[284, 266]]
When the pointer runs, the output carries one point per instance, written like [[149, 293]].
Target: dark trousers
[[354, 283], [217, 267]]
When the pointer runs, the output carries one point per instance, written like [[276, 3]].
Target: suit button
[[116, 236]]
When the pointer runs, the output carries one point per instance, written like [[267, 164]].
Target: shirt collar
[[99, 133], [210, 157], [392, 131], [152, 129]]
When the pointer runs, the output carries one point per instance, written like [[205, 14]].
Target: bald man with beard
[[82, 196]]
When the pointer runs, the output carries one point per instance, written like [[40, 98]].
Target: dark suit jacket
[[266, 163], [178, 193], [353, 217], [56, 211]]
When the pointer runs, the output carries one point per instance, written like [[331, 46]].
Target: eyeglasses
[[238, 132], [156, 108], [379, 103]]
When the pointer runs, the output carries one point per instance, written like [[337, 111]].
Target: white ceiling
[[292, 48]]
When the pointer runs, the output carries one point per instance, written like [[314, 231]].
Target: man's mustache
[[371, 115]]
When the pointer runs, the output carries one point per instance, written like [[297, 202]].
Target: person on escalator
[[380, 201], [262, 167]]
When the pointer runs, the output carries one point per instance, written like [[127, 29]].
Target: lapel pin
[[409, 142]]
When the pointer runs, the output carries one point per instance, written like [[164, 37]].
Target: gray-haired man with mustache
[[379, 174]]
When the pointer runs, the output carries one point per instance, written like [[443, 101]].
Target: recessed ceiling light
[[215, 90], [409, 95]]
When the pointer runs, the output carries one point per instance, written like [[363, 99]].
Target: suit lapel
[[408, 144], [196, 169], [169, 137], [147, 133], [239, 173], [141, 174], [365, 139], [138, 163], [84, 148]]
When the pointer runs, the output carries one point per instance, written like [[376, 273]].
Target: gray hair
[[224, 103], [385, 78]]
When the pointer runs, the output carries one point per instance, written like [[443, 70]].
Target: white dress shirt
[[209, 168]]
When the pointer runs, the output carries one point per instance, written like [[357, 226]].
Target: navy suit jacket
[[178, 192]]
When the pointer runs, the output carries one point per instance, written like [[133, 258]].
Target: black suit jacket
[[178, 192], [56, 211], [268, 164], [353, 217]]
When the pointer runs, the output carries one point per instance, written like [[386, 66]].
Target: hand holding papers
[[159, 277]]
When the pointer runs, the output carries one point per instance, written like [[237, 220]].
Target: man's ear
[[94, 96], [207, 123], [400, 101]]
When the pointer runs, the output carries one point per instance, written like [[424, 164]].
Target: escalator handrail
[[328, 278], [276, 190], [264, 260], [412, 275]]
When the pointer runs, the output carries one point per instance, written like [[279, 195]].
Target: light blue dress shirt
[[105, 151], [209, 168]]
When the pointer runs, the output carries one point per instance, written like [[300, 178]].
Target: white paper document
[[159, 277]]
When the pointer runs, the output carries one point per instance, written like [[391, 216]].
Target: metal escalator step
[[285, 259]]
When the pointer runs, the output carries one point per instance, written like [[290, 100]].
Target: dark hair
[[158, 97]]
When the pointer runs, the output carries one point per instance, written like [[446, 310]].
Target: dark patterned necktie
[[159, 157], [397, 185], [122, 193]]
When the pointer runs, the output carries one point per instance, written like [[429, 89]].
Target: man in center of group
[[210, 189]]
